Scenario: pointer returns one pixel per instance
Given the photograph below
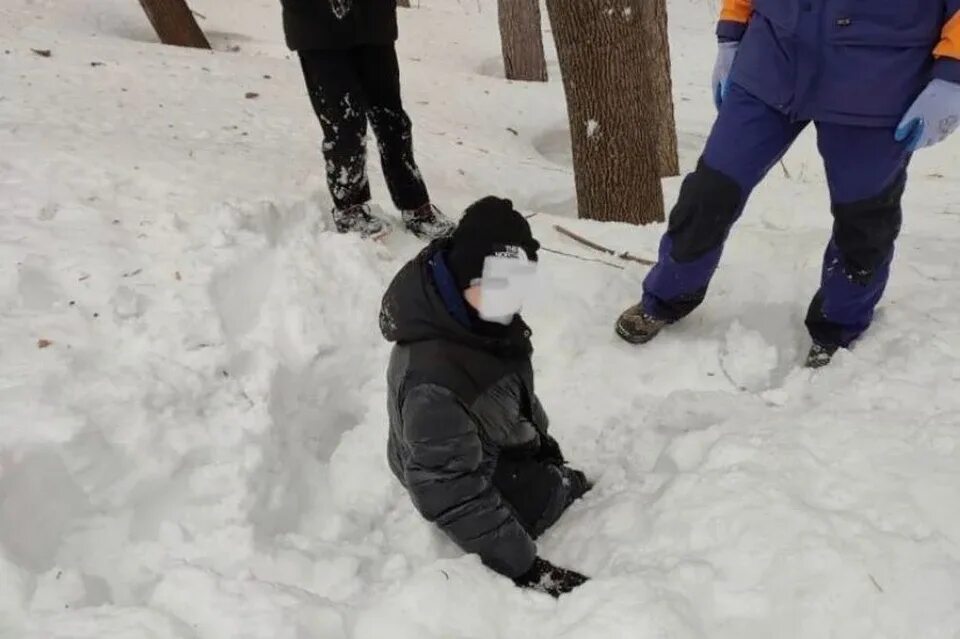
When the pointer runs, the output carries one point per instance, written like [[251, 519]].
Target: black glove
[[547, 578], [579, 484], [549, 450]]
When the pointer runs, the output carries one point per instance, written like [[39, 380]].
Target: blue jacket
[[855, 62]]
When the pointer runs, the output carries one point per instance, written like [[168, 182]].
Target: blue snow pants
[[866, 174]]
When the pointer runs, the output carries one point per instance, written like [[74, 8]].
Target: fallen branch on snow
[[580, 257], [603, 249]]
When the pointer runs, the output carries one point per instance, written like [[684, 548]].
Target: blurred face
[[508, 278]]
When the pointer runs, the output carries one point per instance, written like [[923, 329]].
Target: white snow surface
[[197, 450]]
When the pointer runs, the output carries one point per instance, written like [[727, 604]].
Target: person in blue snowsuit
[[879, 79]]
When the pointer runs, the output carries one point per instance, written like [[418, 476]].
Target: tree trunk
[[603, 61], [174, 23], [521, 39], [657, 73]]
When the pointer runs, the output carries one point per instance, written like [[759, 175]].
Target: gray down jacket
[[468, 436]]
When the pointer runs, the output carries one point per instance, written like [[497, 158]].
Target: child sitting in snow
[[468, 436]]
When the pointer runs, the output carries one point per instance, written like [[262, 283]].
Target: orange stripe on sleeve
[[950, 42], [740, 10]]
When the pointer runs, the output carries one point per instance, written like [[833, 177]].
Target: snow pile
[[192, 418]]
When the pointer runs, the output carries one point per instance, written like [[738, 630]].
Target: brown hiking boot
[[637, 326]]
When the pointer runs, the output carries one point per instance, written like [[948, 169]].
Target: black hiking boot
[[820, 355], [427, 222], [637, 326], [358, 219]]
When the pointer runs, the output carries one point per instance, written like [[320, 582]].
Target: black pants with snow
[[348, 87]]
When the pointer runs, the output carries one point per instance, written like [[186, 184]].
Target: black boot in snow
[[427, 222], [820, 355], [357, 219], [637, 326]]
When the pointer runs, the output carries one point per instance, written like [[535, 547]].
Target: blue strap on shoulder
[[447, 287]]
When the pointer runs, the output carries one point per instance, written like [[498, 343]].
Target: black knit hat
[[487, 226]]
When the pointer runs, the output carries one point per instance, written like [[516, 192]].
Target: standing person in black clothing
[[468, 436], [347, 53]]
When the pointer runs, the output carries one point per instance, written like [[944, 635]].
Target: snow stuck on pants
[[192, 410]]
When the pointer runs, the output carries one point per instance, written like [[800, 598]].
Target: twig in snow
[[532, 215], [726, 373], [603, 249], [198, 14], [580, 257], [785, 171], [875, 582]]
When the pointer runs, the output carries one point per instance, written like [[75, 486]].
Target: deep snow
[[198, 452]]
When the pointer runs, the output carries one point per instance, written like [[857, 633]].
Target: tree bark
[[174, 23], [605, 71], [521, 40], [660, 86]]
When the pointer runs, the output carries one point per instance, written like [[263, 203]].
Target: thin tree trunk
[[657, 73], [174, 23], [603, 62], [521, 39]]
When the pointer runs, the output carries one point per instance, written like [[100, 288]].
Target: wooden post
[[660, 86], [174, 23], [521, 40], [604, 62]]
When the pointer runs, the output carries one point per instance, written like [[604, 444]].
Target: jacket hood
[[413, 310]]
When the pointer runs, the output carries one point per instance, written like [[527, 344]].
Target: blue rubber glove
[[721, 70], [932, 117]]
